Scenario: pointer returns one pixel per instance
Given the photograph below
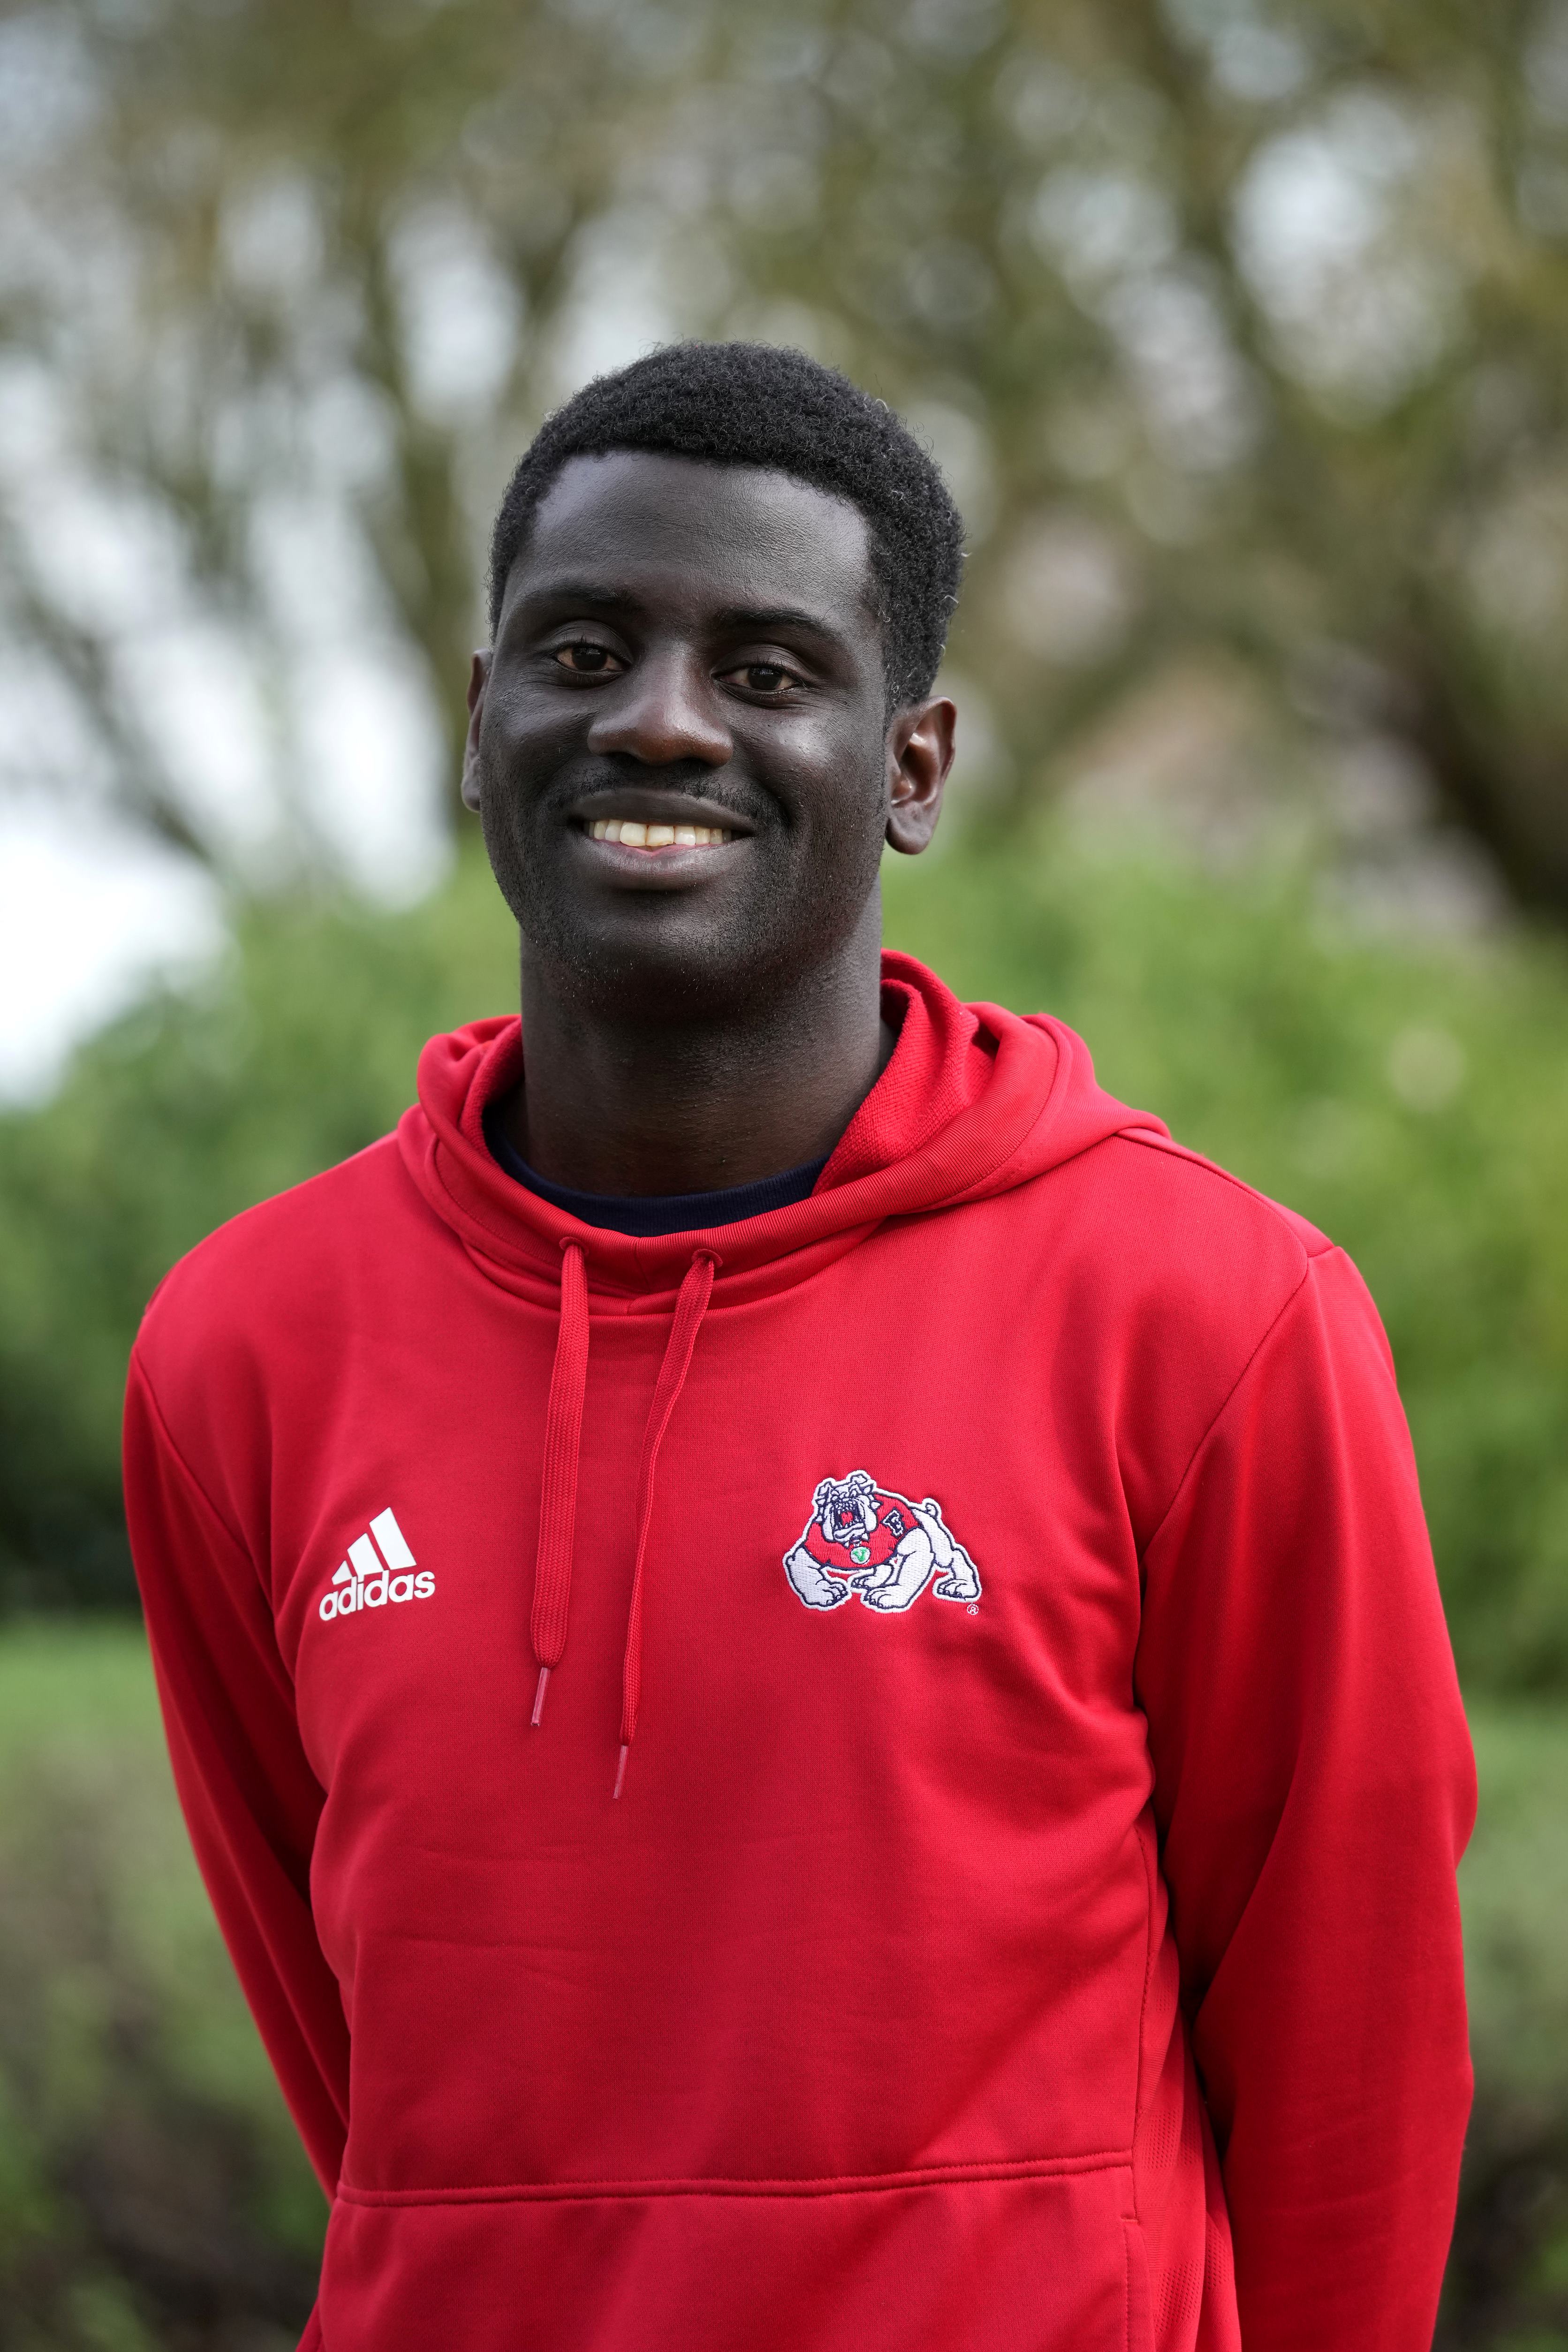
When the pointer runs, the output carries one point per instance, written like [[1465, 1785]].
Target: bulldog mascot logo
[[877, 1546]]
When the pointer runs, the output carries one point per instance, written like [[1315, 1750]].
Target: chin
[[656, 982], [657, 958], [665, 963]]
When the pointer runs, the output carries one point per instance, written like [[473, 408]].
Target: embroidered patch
[[879, 1546]]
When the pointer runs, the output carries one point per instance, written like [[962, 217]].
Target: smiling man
[[803, 1659]]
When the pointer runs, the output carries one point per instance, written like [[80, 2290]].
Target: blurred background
[[1241, 328]]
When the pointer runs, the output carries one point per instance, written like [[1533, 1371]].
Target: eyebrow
[[763, 617], [576, 591], [757, 618]]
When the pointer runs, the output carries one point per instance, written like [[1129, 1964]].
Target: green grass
[[152, 2191], [1515, 1884], [1508, 2272], [67, 1689]]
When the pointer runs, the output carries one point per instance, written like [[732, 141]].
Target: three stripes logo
[[370, 1578]]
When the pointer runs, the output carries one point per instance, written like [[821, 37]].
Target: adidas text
[[371, 1578]]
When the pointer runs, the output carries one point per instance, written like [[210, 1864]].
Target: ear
[[919, 755], [478, 679]]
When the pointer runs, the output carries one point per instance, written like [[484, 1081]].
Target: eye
[[583, 658], [770, 679]]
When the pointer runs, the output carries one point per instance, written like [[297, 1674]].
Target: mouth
[[647, 829], [632, 832]]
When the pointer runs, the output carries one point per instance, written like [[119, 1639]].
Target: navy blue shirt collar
[[647, 1213]]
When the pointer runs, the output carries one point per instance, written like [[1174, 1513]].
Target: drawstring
[[558, 1497], [690, 1307], [558, 1500]]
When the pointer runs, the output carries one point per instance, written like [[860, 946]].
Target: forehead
[[673, 529]]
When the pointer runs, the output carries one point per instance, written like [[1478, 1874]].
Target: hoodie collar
[[974, 1101]]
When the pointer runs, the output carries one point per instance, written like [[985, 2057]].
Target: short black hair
[[758, 404]]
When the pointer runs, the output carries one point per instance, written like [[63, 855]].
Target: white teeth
[[631, 835]]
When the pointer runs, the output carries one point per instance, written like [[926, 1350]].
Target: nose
[[662, 711]]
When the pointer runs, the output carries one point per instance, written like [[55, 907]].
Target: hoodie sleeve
[[1314, 1789], [250, 1799]]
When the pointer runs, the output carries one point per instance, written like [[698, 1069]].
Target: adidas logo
[[376, 1577]]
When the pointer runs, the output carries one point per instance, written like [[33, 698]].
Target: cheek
[[521, 741], [835, 778]]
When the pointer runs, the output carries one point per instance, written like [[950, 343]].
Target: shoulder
[[278, 1269], [1143, 1222], [1218, 1261], [1162, 1277], [1207, 1205]]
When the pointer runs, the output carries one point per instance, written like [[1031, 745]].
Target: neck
[[616, 1105]]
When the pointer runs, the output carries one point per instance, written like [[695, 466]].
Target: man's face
[[688, 650]]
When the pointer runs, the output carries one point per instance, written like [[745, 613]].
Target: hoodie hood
[[975, 1100]]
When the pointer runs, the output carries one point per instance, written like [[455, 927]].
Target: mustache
[[686, 777]]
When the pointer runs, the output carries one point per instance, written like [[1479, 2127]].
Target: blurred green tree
[[1240, 325], [276, 297], [1238, 329], [1410, 1102], [1244, 322]]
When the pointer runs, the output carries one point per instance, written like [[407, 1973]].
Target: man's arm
[[1314, 1789], [250, 1799]]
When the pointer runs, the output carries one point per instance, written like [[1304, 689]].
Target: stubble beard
[[740, 965]]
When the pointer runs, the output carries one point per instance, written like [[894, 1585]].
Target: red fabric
[[1063, 1958]]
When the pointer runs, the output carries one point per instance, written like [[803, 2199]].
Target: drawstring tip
[[539, 1697], [620, 1767]]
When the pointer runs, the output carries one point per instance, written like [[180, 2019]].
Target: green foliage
[[300, 1051], [1079, 243], [1410, 1102], [152, 2192], [1508, 2275], [1240, 326]]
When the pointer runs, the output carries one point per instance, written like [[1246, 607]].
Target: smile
[[632, 834]]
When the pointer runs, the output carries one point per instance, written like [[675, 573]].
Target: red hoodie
[[875, 2012]]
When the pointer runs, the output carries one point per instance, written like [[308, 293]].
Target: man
[[802, 1658]]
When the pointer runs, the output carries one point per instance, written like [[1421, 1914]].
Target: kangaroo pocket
[[1022, 2259]]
